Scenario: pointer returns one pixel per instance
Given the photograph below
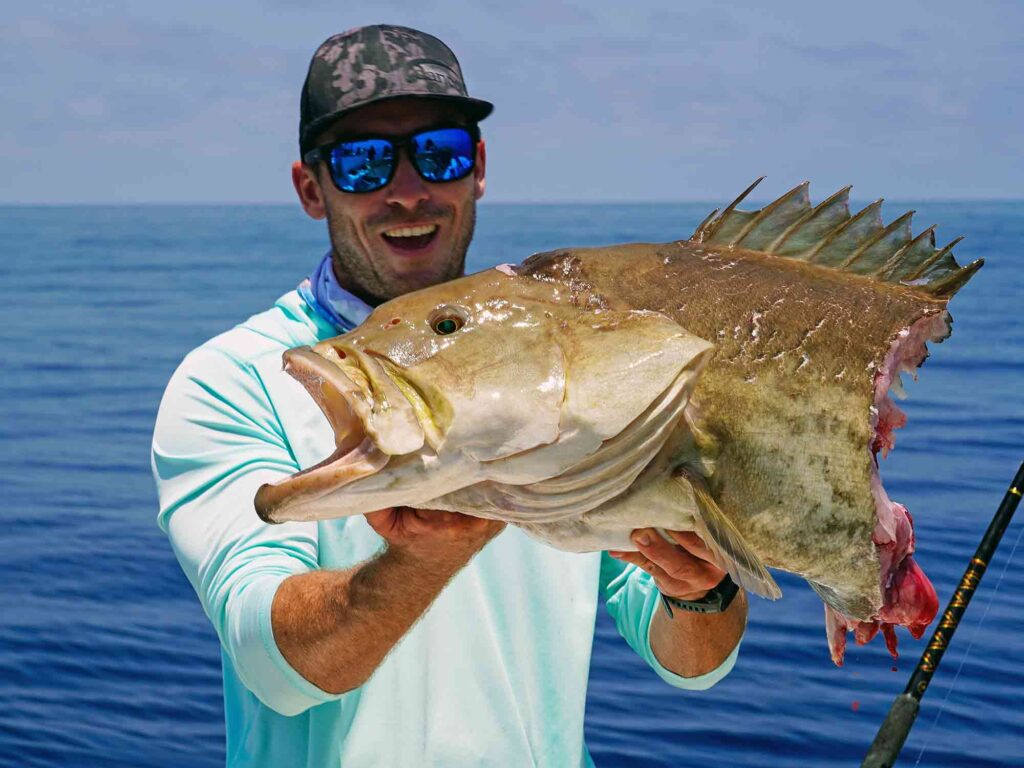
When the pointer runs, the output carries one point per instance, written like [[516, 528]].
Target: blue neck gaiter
[[332, 302]]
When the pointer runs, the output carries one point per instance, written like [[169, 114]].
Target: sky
[[596, 101]]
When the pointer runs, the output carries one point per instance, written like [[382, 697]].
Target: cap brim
[[475, 109]]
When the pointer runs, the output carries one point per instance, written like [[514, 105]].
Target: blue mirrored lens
[[446, 154], [362, 166]]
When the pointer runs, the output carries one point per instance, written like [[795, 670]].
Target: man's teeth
[[424, 229]]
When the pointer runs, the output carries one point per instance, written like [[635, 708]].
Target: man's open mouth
[[412, 238]]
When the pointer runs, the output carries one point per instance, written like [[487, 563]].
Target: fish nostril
[[395, 321], [341, 353]]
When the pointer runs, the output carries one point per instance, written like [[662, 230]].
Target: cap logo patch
[[434, 71]]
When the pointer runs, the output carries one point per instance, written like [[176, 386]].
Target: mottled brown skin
[[787, 395]]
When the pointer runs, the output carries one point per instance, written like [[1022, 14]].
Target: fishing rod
[[896, 727]]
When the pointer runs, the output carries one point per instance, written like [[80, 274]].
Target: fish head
[[492, 376]]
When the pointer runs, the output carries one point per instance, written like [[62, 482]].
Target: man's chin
[[412, 270]]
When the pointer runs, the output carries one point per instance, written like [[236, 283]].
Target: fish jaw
[[356, 455], [378, 421], [413, 480]]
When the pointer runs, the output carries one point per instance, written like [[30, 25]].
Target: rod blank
[[897, 724]]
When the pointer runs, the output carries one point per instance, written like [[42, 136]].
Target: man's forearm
[[693, 644], [335, 627]]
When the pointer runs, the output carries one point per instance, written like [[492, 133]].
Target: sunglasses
[[367, 164]]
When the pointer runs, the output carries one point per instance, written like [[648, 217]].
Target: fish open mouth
[[356, 453], [909, 598]]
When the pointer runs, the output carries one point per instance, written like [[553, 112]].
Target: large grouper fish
[[736, 384]]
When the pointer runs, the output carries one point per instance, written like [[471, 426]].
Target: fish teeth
[[423, 229]]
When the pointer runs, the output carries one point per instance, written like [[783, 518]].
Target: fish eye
[[446, 320]]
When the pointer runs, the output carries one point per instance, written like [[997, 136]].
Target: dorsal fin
[[829, 236]]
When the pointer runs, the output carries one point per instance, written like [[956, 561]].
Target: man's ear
[[480, 171], [307, 187]]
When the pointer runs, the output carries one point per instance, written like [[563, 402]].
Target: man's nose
[[407, 189]]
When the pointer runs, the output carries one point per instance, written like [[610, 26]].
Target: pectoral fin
[[730, 549]]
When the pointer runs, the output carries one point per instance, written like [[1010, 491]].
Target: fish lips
[[371, 419]]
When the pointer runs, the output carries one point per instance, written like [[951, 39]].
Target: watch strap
[[716, 600]]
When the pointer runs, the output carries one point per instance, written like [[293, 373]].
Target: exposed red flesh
[[909, 598]]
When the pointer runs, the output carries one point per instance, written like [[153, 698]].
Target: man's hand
[[689, 644], [684, 570], [431, 534]]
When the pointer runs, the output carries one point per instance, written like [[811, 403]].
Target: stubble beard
[[374, 283]]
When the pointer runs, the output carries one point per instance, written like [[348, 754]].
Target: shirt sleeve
[[216, 440], [632, 599]]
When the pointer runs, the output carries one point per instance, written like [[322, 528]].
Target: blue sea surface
[[106, 658]]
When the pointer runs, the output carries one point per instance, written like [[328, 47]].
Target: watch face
[[726, 590]]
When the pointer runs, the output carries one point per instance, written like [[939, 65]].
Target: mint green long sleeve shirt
[[494, 673]]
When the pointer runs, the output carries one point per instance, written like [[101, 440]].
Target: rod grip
[[890, 737]]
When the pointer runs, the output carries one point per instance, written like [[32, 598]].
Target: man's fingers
[[458, 520], [383, 521], [683, 589], [685, 573], [434, 517], [653, 545], [427, 520], [630, 557], [693, 544], [638, 559], [381, 515], [675, 561], [419, 520]]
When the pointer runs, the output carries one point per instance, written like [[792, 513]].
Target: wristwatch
[[715, 601]]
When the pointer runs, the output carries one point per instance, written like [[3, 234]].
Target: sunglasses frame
[[323, 153]]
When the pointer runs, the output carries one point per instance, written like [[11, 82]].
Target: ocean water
[[106, 658]]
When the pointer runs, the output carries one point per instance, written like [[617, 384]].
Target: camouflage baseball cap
[[370, 64]]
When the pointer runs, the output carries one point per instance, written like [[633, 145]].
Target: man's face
[[372, 258]]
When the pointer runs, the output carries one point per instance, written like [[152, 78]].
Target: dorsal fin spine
[[838, 230], [700, 232], [870, 242], [823, 205], [951, 283], [896, 259], [713, 227], [767, 211], [931, 260]]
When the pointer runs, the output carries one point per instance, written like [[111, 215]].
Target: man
[[406, 637]]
